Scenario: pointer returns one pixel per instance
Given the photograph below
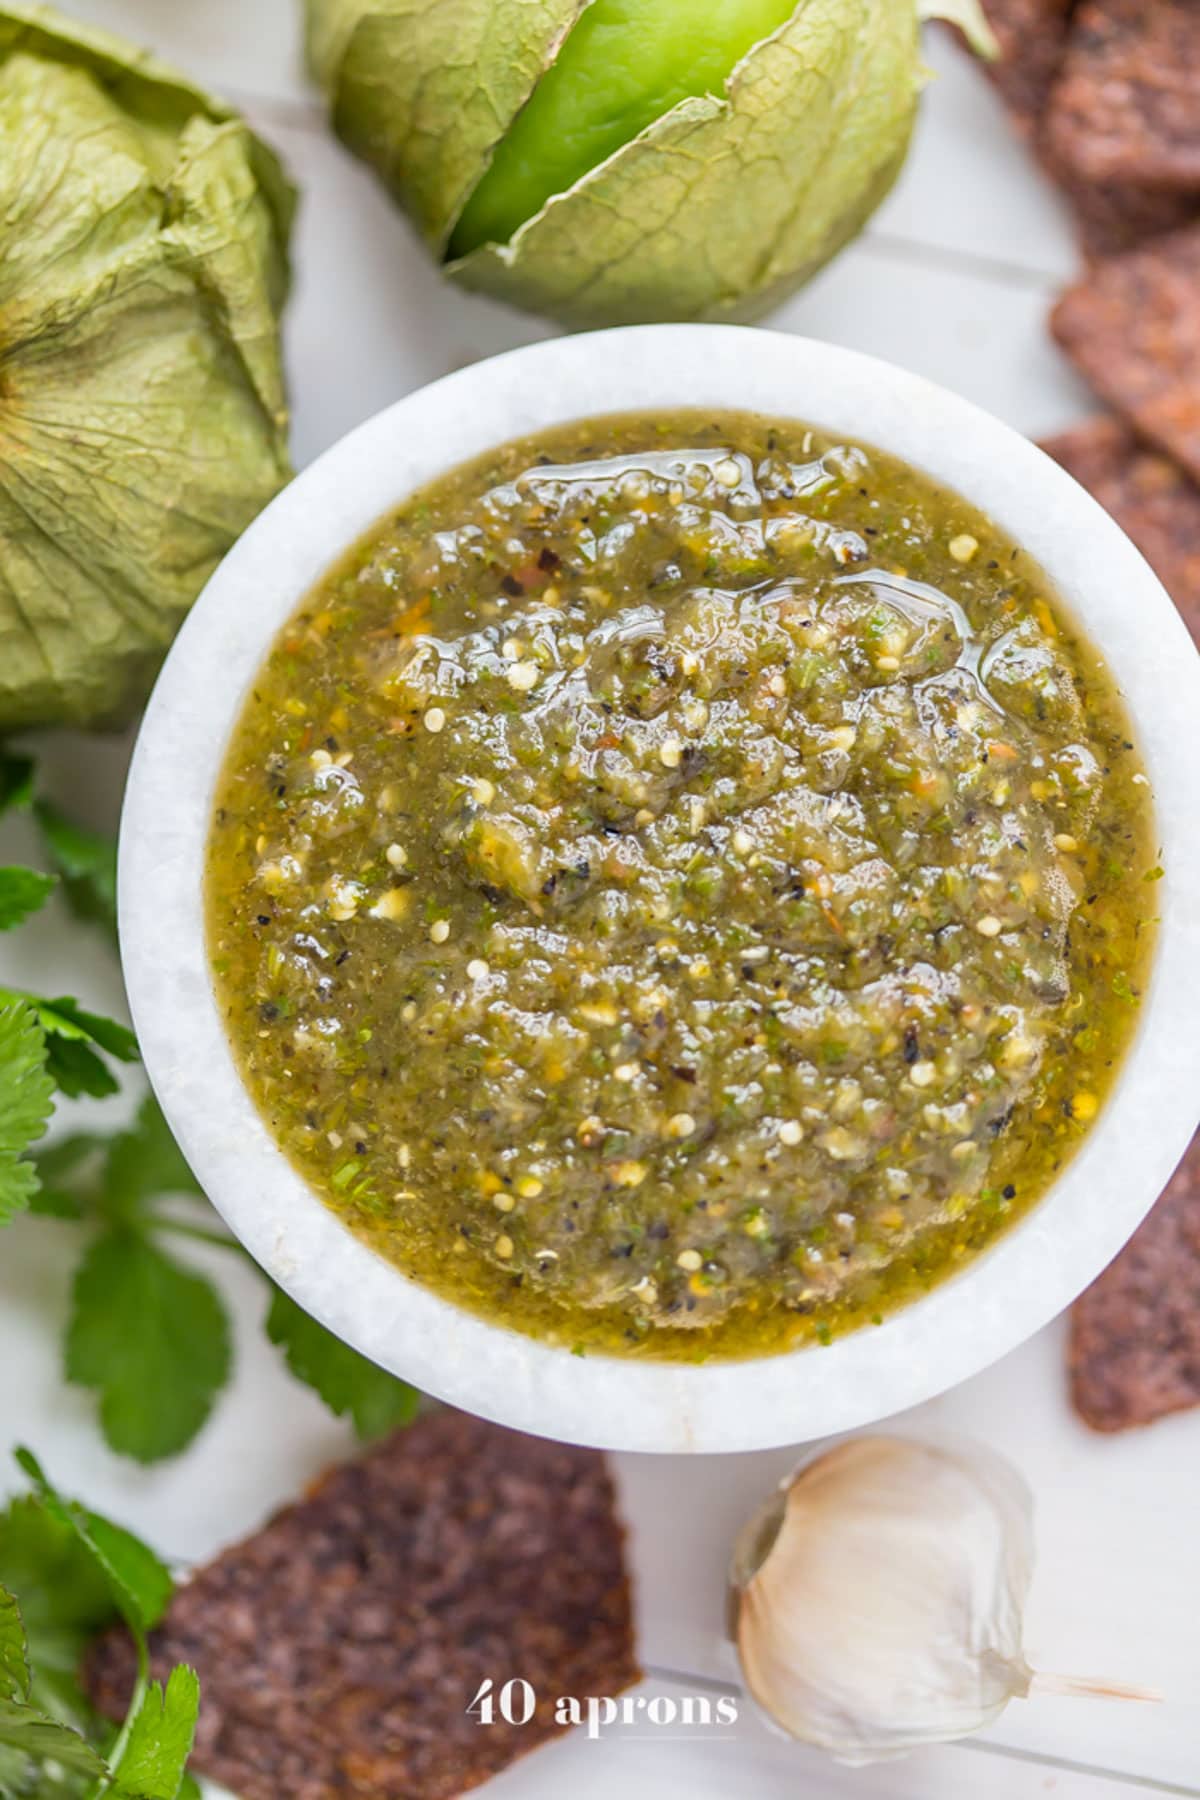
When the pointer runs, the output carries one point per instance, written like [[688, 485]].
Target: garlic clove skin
[[877, 1600]]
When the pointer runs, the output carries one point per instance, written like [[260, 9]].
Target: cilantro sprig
[[26, 1102], [147, 1333], [65, 1572], [85, 863], [49, 1044]]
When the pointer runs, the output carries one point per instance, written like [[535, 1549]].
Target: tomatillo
[[612, 161]]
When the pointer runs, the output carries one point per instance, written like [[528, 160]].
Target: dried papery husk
[[143, 415], [877, 1598], [971, 20]]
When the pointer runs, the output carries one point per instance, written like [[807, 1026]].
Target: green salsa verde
[[680, 885]]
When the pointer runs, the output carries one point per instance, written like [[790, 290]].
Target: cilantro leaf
[[143, 1163], [139, 1584], [26, 1100], [152, 1339], [78, 1570], [85, 860], [22, 891], [16, 780], [346, 1381], [28, 1731], [159, 1740], [67, 1174], [14, 1650], [72, 1038], [89, 1175], [64, 1600]]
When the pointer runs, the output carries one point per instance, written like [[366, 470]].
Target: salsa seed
[[1064, 841], [483, 791], [626, 1071], [841, 1144], [435, 719], [397, 855], [790, 1131], [743, 843], [963, 547], [670, 752], [320, 759], [523, 676], [529, 1187], [989, 926], [477, 969], [629, 1174], [923, 1074], [843, 737], [728, 473], [504, 1248], [393, 905], [439, 931], [503, 1201], [691, 1260], [680, 1125]]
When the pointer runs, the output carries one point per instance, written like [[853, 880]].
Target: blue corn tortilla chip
[[1134, 1352], [1132, 326], [1126, 105], [1153, 501], [339, 1648]]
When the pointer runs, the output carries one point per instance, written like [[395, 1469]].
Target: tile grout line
[[1150, 1784], [967, 262], [1069, 1766]]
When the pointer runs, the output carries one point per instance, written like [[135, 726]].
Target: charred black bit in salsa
[[678, 885]]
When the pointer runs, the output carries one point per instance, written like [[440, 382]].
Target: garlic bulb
[[877, 1600]]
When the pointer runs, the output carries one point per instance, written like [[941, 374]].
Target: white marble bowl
[[995, 1302]]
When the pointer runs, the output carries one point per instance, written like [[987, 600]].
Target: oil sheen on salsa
[[681, 885]]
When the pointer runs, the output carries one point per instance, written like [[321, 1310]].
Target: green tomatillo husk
[[143, 420], [614, 161]]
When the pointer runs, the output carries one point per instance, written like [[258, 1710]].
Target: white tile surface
[[952, 280]]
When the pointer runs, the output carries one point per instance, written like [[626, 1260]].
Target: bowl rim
[[969, 1319]]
